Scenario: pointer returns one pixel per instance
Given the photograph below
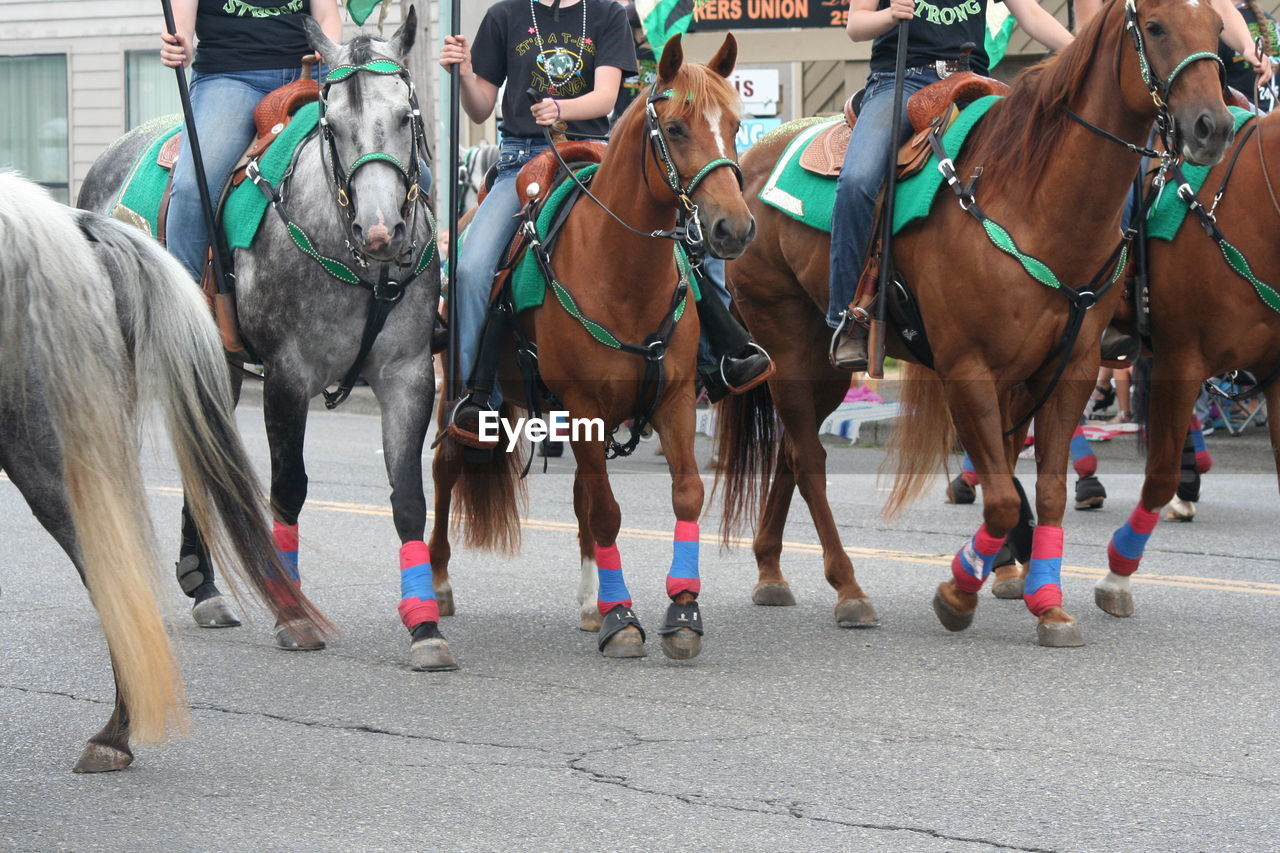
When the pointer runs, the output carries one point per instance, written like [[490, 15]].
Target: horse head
[[372, 138], [1176, 57], [696, 113]]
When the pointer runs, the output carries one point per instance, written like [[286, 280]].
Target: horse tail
[[747, 450], [56, 309], [181, 366], [491, 497], [922, 437]]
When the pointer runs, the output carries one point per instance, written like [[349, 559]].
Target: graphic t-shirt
[[938, 32], [506, 51], [238, 35], [640, 81], [1240, 74]]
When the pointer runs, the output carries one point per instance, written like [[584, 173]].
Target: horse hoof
[[1059, 635], [773, 594], [627, 643], [214, 612], [952, 617], [1007, 581], [100, 758], [682, 645], [298, 636], [444, 598], [431, 655], [960, 492], [589, 618], [1112, 595], [1090, 493], [856, 613], [1180, 510]]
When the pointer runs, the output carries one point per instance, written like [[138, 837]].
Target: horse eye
[[675, 128], [1154, 29], [405, 119]]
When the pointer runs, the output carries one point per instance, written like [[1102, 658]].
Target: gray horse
[[92, 315], [353, 192]]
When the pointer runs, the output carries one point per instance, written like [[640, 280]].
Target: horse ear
[[726, 57], [320, 42], [402, 41], [672, 59]]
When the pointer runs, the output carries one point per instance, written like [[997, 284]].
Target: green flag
[[361, 9], [664, 18], [1000, 26]]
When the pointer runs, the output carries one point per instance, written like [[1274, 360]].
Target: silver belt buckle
[[941, 68]]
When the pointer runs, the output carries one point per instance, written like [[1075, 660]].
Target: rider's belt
[[944, 67]]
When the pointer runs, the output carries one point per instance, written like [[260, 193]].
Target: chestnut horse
[[626, 282], [1058, 186], [1206, 319]]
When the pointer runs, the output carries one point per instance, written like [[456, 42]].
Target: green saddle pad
[[1169, 211], [810, 198], [242, 215], [528, 284]]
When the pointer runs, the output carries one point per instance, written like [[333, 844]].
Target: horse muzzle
[[378, 241], [728, 236], [1204, 134]]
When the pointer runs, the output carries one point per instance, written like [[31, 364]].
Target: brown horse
[[1058, 186], [625, 282], [1205, 319]]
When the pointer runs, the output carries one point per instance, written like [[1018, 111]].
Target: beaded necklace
[[560, 64]]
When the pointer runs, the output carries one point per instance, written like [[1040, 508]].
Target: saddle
[[936, 105], [534, 185]]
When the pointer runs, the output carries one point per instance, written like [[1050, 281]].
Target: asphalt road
[[786, 734]]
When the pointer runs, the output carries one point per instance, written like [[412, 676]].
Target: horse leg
[[772, 589], [285, 410], [446, 467], [210, 608], [1010, 571], [682, 628], [620, 633], [406, 411], [36, 470], [1169, 410], [1056, 422], [798, 408], [1272, 395], [589, 617], [973, 404]]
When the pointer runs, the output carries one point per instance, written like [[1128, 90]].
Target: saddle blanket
[[528, 284], [810, 198], [1169, 211], [143, 192]]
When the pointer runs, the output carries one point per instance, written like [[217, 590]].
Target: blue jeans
[[222, 104], [486, 238], [861, 178]]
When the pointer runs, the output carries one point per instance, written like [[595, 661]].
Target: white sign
[[752, 129], [759, 89]]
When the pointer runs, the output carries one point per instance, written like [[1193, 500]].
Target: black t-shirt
[[238, 35], [506, 51], [937, 32], [1240, 74]]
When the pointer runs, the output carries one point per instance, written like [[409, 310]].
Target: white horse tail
[[181, 365], [59, 329]]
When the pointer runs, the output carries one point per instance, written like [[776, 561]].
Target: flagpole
[[454, 378], [192, 144]]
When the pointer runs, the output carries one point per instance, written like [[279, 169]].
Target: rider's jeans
[[861, 177], [484, 242], [222, 104]]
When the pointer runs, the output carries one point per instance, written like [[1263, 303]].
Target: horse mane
[[697, 88], [1018, 131], [362, 49]]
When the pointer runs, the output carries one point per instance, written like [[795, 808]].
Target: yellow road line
[[1180, 581]]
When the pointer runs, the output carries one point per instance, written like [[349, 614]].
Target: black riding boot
[[464, 425], [739, 364]]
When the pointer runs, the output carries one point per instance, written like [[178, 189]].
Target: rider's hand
[[546, 112], [456, 51], [175, 51], [1262, 66], [902, 10]]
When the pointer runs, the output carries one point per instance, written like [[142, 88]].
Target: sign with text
[[759, 90], [752, 129], [759, 14]]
